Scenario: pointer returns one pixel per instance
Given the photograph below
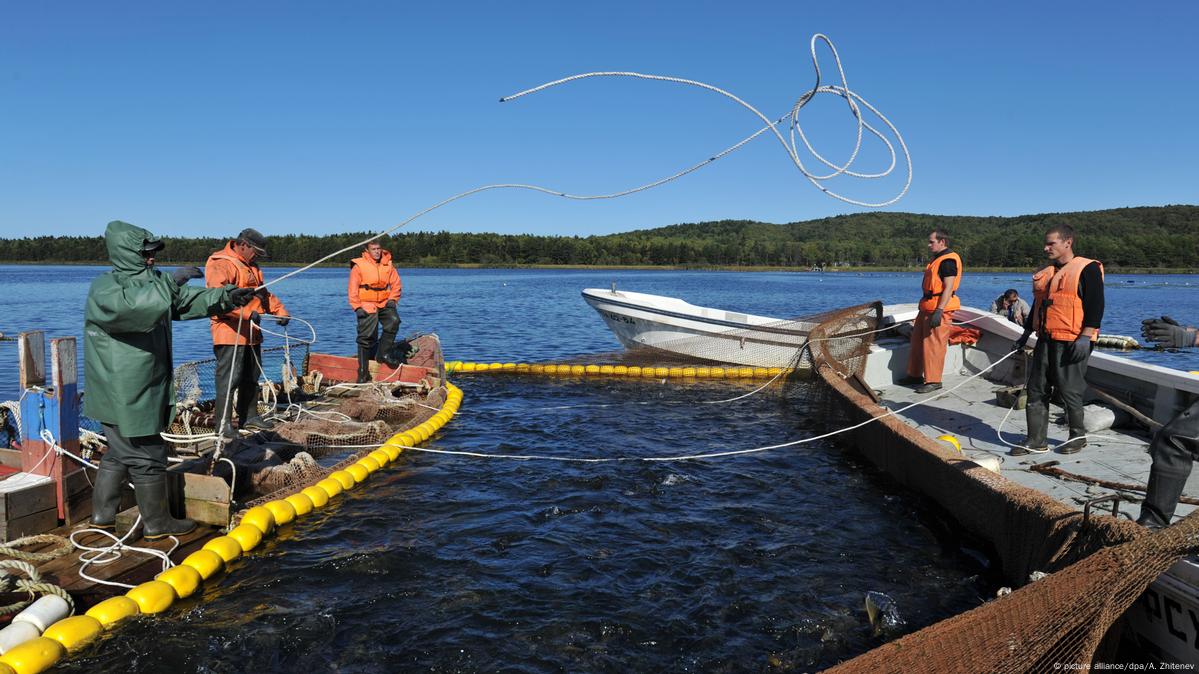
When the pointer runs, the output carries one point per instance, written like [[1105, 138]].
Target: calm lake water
[[459, 564]]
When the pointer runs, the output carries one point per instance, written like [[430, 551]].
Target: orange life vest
[[224, 326], [375, 277], [933, 285], [1059, 311]]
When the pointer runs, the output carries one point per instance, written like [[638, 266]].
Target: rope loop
[[32, 584], [9, 549]]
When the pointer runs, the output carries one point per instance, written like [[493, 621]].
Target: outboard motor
[[398, 353]]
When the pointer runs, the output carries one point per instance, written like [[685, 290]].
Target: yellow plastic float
[[72, 633], [598, 369]]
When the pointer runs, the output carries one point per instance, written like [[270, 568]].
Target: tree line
[[1148, 237]]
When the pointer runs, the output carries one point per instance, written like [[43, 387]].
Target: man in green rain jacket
[[128, 372]]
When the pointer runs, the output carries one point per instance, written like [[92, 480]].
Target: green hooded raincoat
[[127, 365]]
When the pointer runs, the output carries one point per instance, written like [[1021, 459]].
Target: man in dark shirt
[[1066, 313]]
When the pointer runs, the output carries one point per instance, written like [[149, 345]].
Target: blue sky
[[203, 118]]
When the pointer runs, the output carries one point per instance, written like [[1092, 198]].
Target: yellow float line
[[68, 635], [633, 371]]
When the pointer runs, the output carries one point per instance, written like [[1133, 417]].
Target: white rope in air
[[854, 101]]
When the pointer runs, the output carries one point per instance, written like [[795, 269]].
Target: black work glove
[[184, 274], [1167, 332], [1019, 344], [360, 312], [390, 304], [255, 318], [935, 320], [282, 321], [241, 296], [1077, 351]]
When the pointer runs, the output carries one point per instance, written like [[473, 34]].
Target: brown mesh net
[[305, 426], [1098, 565]]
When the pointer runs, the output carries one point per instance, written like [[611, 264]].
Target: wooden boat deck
[[132, 568]]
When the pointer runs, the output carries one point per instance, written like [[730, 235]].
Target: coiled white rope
[[101, 555]]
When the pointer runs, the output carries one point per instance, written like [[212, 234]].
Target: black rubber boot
[[1078, 432], [1037, 417], [157, 521], [1161, 499], [106, 495], [364, 365]]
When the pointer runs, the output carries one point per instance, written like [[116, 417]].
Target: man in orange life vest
[[374, 292], [930, 332], [1176, 445], [236, 337], [1066, 312]]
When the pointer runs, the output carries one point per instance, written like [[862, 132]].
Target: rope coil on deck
[[33, 584], [10, 549]]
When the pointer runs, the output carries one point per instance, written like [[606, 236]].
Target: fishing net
[[195, 390], [305, 426], [1098, 565]]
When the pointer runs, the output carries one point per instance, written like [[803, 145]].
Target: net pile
[[305, 427], [195, 388], [1099, 565], [350, 422]]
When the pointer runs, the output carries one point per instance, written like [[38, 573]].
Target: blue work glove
[[935, 320], [1077, 351], [1167, 332], [241, 296], [184, 274]]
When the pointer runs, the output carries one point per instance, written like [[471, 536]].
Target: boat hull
[[640, 320]]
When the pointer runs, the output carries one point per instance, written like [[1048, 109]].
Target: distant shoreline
[[713, 268]]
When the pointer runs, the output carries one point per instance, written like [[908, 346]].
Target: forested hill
[[1160, 236]]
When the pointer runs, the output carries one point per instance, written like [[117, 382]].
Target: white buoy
[[44, 612], [990, 462], [16, 634]]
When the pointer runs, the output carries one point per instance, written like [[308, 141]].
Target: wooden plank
[[27, 500], [201, 497], [31, 350], [130, 568], [27, 525], [62, 362], [207, 512], [343, 368], [10, 458]]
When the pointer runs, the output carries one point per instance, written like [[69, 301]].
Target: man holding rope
[[127, 366], [236, 339]]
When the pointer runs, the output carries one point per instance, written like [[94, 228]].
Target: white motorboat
[[641, 321]]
